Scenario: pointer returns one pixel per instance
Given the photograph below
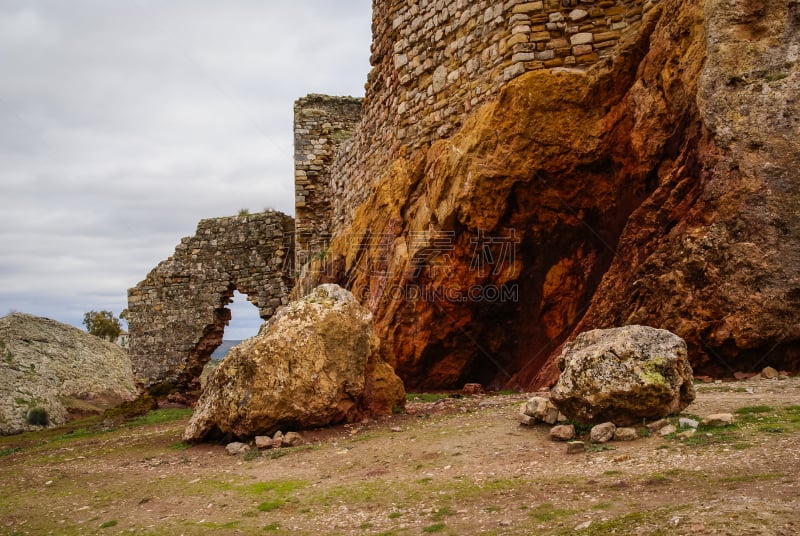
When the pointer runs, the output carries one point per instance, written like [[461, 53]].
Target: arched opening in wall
[[245, 322]]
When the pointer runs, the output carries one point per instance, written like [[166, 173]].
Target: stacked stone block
[[322, 125], [177, 315], [434, 61]]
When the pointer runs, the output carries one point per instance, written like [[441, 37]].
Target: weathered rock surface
[[623, 375], [635, 193], [625, 434], [718, 419], [562, 432], [316, 362], [602, 433], [66, 371], [538, 409]]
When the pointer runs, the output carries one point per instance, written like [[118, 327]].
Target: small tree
[[103, 324]]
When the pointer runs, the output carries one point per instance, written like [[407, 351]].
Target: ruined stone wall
[[321, 125], [177, 315], [434, 61]]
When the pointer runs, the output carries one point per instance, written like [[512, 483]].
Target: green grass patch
[[599, 447], [109, 524], [273, 526], [441, 513], [160, 416], [278, 487], [395, 515], [548, 512], [9, 451], [436, 527], [747, 410], [270, 506], [180, 446]]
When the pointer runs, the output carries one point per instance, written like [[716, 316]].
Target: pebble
[[603, 433], [685, 422], [576, 447], [718, 419], [562, 432], [657, 425], [669, 429], [625, 434]]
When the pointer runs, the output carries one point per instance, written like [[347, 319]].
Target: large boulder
[[316, 362], [623, 375], [51, 369]]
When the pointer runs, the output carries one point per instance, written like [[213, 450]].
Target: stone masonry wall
[[321, 125], [177, 315], [434, 61]]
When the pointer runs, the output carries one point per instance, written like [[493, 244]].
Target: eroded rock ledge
[[636, 192]]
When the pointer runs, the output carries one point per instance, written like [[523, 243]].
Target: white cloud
[[122, 124]]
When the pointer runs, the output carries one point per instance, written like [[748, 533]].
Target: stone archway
[[177, 315]]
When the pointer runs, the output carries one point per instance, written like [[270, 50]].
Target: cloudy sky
[[125, 122]]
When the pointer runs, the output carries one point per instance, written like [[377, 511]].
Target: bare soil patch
[[448, 466]]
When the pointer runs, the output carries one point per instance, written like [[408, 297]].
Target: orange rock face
[[656, 190]]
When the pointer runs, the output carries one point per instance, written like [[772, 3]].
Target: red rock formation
[[657, 189]]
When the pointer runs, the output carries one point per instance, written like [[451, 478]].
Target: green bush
[[38, 417]]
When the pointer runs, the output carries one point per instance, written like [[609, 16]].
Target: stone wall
[[321, 125], [434, 61], [177, 315]]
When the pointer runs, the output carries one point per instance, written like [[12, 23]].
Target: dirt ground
[[447, 466]]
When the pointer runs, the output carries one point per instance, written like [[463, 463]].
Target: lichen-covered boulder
[[51, 372], [316, 362], [623, 375]]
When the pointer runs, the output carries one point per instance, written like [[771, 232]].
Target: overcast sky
[[125, 122]]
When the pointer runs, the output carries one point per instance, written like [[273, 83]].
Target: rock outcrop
[[623, 375], [50, 366], [658, 187], [316, 362]]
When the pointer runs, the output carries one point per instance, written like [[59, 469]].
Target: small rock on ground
[[562, 432], [603, 433], [625, 434], [718, 419], [237, 448], [576, 447]]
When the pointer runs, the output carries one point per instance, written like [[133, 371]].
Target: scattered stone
[[562, 432], [315, 363], [583, 526], [669, 429], [236, 448], [769, 373], [705, 379], [603, 433], [472, 389], [623, 375], [293, 439], [626, 434], [263, 442], [657, 425], [540, 409], [718, 419], [685, 422], [526, 420], [744, 375], [576, 447], [686, 434], [278, 435], [396, 429]]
